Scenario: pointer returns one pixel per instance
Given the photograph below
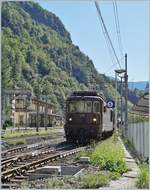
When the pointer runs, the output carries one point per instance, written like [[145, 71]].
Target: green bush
[[109, 155], [143, 177], [7, 124]]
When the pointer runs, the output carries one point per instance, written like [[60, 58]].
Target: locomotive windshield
[[82, 106]]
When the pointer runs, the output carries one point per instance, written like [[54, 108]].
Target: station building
[[27, 112]]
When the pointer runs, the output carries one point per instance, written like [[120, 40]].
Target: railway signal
[[110, 104]]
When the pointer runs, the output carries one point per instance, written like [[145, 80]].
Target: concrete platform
[[49, 171]]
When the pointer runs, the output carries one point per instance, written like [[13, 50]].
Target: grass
[[95, 180], [13, 134], [107, 155], [87, 180], [143, 177], [114, 175], [57, 184], [17, 142]]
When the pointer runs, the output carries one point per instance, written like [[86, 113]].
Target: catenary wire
[[118, 28], [106, 32]]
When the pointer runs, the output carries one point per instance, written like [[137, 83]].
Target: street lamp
[[120, 71], [126, 94], [121, 100], [117, 72]]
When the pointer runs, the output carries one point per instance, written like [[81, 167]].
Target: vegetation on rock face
[[38, 54], [35, 46]]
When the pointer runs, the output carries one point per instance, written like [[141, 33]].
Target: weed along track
[[17, 169]]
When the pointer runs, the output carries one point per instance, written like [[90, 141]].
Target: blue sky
[[80, 18]]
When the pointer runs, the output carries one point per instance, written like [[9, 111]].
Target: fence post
[[147, 140], [141, 139]]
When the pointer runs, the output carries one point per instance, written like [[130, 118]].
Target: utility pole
[[14, 109], [121, 101], [37, 114], [38, 106], [126, 97], [27, 104], [3, 108], [119, 71], [116, 102], [45, 118]]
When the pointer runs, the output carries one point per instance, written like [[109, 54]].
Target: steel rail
[[9, 174], [23, 157], [13, 150], [25, 148]]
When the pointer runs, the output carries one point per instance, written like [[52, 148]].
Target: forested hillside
[[37, 53]]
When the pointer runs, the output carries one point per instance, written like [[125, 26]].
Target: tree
[[7, 82]]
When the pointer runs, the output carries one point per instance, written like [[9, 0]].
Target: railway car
[[87, 117]]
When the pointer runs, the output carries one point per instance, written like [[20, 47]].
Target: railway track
[[24, 165], [8, 154], [32, 154], [10, 163]]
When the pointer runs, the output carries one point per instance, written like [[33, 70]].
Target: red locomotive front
[[84, 117]]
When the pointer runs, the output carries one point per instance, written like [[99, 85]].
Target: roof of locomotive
[[86, 95]]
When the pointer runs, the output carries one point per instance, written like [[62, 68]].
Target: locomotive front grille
[[83, 119]]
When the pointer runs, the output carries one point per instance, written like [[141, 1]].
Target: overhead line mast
[[106, 32]]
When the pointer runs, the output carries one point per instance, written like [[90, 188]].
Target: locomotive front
[[84, 117]]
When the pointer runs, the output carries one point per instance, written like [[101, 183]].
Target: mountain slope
[[38, 54]]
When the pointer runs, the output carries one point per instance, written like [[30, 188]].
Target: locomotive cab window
[[80, 106], [96, 106], [88, 106]]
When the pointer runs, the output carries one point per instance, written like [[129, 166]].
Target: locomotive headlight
[[94, 119], [70, 119]]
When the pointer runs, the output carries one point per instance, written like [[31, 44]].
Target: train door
[[97, 108], [101, 113]]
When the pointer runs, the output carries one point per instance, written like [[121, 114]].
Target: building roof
[[42, 101], [35, 99], [142, 105], [49, 114]]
